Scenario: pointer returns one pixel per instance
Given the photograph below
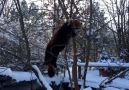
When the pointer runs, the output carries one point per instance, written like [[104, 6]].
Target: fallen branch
[[109, 80], [40, 77]]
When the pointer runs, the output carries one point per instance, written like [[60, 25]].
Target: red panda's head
[[76, 26]]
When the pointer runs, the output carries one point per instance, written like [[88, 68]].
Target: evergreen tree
[[103, 56]]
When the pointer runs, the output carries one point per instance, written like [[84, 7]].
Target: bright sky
[[101, 2], [40, 3], [103, 6]]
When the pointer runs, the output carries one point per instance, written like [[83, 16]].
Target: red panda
[[58, 42]]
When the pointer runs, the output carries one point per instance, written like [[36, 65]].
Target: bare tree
[[28, 56], [88, 45], [118, 12]]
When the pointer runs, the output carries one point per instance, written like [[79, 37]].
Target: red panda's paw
[[51, 71]]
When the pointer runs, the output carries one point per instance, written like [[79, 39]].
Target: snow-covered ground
[[93, 79]]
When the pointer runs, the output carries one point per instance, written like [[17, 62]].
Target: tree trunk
[[88, 46], [70, 78], [28, 53], [75, 65]]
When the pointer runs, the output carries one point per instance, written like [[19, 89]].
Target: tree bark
[[75, 65], [88, 46], [70, 78]]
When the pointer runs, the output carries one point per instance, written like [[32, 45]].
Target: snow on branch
[[42, 78], [5, 71], [16, 75], [99, 64]]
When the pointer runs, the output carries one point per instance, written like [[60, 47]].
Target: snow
[[56, 79], [5, 71], [23, 76], [93, 79], [87, 88], [106, 64], [42, 78], [18, 76], [124, 83], [112, 88], [96, 81]]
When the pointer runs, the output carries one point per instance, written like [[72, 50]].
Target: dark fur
[[57, 44]]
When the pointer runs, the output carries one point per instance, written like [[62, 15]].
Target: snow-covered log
[[42, 78], [99, 64]]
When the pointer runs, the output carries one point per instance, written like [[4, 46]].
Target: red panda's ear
[[74, 23], [77, 24]]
